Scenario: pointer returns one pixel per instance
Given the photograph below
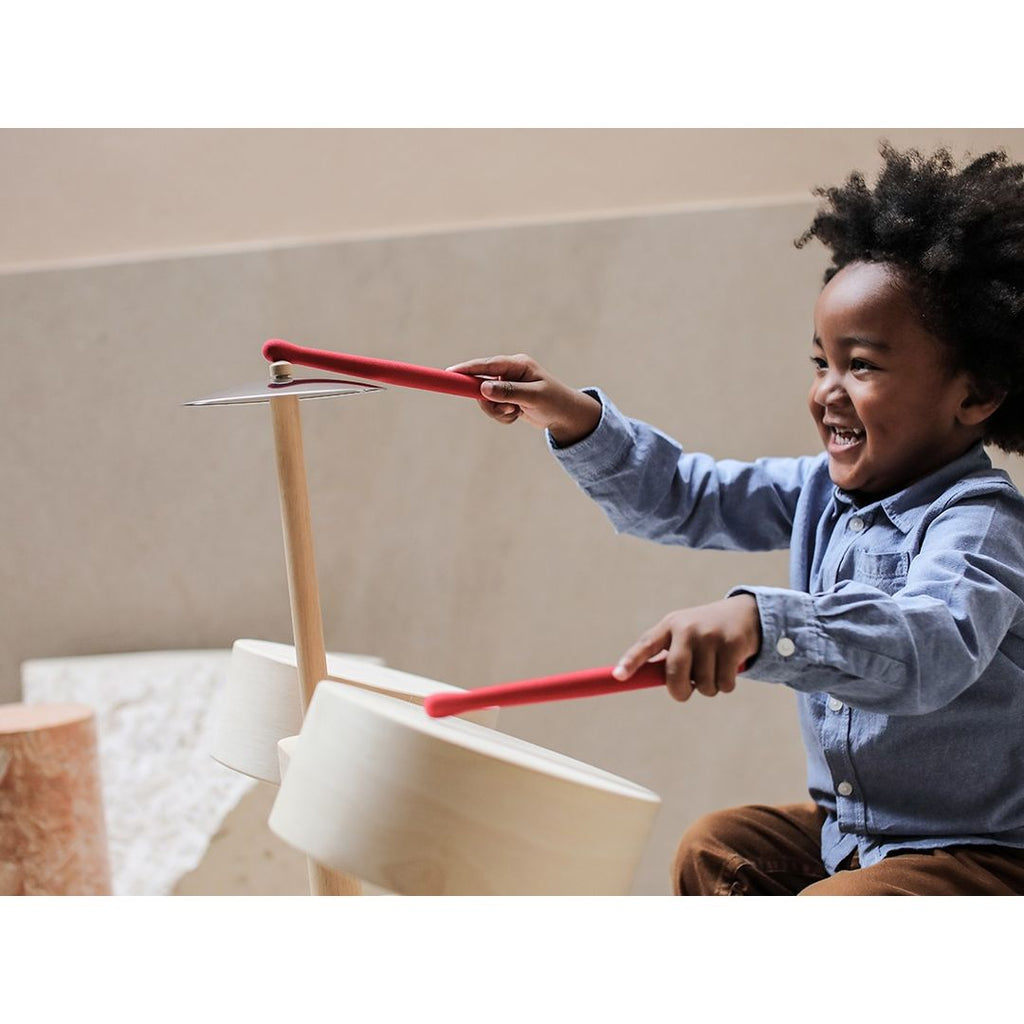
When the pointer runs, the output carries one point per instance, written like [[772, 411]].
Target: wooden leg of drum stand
[[307, 621]]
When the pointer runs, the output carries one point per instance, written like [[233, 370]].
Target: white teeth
[[846, 436]]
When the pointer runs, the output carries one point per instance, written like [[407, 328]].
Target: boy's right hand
[[519, 387]]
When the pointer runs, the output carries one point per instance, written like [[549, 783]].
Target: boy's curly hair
[[956, 238]]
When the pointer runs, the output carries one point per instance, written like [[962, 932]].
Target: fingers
[[702, 648], [476, 367], [678, 660], [518, 367], [499, 411], [653, 641], [504, 396], [679, 666], [503, 391], [492, 404], [702, 670], [726, 670]]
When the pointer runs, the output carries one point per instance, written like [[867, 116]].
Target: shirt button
[[834, 704], [844, 789], [785, 646], [857, 524]]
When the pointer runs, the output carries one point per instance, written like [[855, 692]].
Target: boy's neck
[[860, 499]]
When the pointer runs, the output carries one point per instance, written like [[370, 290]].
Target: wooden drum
[[445, 806], [262, 701], [53, 835]]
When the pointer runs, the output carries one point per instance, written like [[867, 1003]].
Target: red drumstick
[[592, 682], [387, 371]]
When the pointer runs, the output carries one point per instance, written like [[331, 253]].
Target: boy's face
[[885, 402]]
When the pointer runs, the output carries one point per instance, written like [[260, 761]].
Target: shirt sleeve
[[649, 487], [918, 649]]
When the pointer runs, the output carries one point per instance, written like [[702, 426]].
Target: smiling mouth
[[844, 437]]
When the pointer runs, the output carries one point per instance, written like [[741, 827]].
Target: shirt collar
[[922, 492]]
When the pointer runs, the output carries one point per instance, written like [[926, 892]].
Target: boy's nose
[[828, 391]]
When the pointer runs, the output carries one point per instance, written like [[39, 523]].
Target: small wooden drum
[[445, 806], [262, 701], [53, 835]]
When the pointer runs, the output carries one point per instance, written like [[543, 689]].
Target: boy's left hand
[[705, 646]]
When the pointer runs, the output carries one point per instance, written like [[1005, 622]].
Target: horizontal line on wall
[[413, 231]]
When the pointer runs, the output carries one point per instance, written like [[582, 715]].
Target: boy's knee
[[711, 830], [858, 882], [705, 850], [753, 849]]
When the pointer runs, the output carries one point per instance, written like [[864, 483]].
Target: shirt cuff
[[603, 450], [791, 638]]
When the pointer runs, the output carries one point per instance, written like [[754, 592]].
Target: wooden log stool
[[53, 836]]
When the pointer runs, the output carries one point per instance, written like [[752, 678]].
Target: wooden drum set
[[373, 786]]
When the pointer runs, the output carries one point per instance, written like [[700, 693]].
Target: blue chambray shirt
[[902, 630]]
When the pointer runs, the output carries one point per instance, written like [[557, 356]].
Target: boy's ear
[[982, 400]]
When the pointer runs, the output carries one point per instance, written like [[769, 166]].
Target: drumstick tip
[[270, 348]]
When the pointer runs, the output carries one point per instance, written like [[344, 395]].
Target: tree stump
[[53, 836]]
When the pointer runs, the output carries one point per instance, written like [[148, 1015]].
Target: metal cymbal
[[283, 385]]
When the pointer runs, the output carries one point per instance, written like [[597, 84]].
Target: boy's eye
[[860, 364], [818, 363]]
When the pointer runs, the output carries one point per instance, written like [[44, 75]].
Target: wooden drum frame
[[373, 788]]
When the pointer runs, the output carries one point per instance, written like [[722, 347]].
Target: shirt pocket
[[886, 570]]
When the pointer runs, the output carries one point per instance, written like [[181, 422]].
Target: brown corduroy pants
[[776, 851]]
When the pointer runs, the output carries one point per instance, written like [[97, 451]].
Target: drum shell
[[423, 806], [262, 701], [285, 750]]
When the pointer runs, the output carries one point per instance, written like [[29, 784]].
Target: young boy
[[903, 627]]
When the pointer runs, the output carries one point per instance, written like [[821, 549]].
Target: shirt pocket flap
[[882, 565]]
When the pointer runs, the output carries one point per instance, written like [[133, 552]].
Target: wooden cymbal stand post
[[307, 620]]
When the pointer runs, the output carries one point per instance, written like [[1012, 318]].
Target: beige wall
[[69, 195], [447, 545]]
